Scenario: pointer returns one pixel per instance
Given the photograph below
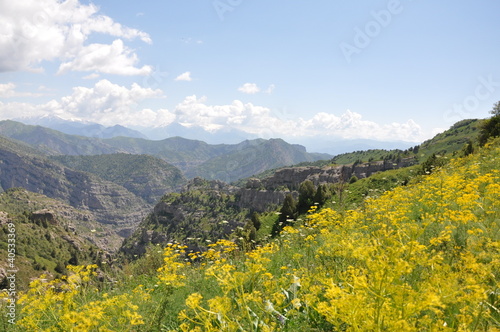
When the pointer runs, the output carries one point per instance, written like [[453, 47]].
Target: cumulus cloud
[[108, 59], [8, 90], [249, 88], [263, 122], [184, 77], [105, 103], [33, 31], [109, 104]]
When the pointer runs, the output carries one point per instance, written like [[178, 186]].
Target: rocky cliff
[[109, 203], [270, 192], [292, 177]]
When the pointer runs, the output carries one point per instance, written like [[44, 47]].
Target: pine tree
[[288, 212], [306, 196]]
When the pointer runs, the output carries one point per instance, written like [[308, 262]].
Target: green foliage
[[288, 213], [322, 194], [256, 220], [42, 246], [306, 196], [432, 163], [490, 127], [205, 211]]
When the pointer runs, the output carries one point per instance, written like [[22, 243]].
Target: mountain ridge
[[188, 155]]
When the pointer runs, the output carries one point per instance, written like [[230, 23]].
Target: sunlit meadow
[[422, 257]]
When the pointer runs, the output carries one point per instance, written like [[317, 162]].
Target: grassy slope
[[449, 142], [42, 246], [425, 256]]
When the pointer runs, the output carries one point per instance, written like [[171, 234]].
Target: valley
[[145, 193]]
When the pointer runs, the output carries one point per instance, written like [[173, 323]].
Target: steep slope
[[252, 159], [49, 236], [202, 213], [109, 202], [145, 176]]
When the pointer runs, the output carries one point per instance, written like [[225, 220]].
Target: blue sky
[[396, 70]]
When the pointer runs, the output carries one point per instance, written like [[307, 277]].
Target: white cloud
[[249, 88], [105, 103], [33, 31], [91, 76], [109, 104], [262, 121], [109, 59], [8, 91], [184, 77]]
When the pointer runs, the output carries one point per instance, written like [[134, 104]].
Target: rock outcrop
[[268, 193], [292, 177]]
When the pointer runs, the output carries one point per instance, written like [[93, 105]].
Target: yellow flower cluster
[[171, 272], [425, 257], [59, 305]]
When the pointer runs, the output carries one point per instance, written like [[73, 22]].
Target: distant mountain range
[[80, 128], [227, 162], [330, 145]]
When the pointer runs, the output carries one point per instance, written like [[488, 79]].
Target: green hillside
[[145, 176], [49, 235], [253, 159], [422, 257], [448, 142], [53, 142]]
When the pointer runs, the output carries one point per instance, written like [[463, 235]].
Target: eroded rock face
[[260, 200], [292, 177], [4, 218], [109, 203], [261, 195]]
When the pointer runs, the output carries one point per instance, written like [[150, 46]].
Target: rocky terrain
[[110, 203]]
